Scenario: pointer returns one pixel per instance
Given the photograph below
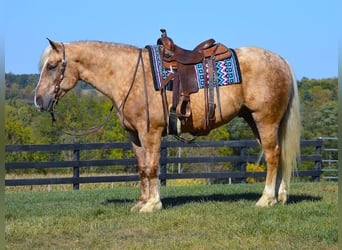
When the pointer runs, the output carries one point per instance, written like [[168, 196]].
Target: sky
[[304, 32]]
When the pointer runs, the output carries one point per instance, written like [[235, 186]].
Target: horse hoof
[[150, 207], [266, 201], [282, 197], [137, 207]]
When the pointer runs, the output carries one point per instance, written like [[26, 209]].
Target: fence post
[[318, 164], [163, 160], [76, 169], [243, 154]]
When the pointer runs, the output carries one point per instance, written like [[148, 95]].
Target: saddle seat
[[173, 54], [182, 62]]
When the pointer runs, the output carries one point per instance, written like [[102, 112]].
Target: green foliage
[[319, 108], [318, 100], [77, 118], [325, 119], [239, 129], [83, 109], [17, 132], [23, 80], [81, 117], [255, 167]]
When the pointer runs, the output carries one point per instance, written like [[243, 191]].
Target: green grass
[[194, 217]]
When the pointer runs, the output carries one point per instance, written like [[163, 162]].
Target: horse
[[267, 99]]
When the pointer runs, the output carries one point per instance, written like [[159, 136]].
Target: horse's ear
[[54, 45]]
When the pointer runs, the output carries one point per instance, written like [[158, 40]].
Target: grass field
[[194, 217]]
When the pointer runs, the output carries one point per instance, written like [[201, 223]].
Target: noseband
[[58, 82]]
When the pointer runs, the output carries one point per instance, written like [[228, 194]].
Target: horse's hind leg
[[270, 145]]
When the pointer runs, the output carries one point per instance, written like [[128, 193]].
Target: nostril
[[44, 102], [38, 102]]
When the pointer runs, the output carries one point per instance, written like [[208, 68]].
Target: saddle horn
[[166, 41], [163, 31]]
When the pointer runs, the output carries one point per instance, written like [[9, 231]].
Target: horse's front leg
[[150, 171], [144, 182], [147, 153]]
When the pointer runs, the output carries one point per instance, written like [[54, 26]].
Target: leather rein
[[122, 105]]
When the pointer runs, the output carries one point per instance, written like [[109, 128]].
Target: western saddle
[[184, 79]]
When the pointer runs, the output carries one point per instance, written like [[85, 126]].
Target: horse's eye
[[52, 67]]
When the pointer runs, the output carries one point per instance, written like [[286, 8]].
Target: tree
[[325, 122], [318, 100], [79, 111]]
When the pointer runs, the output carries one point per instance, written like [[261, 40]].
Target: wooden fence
[[241, 159]]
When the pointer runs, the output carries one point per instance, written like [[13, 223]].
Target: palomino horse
[[267, 99]]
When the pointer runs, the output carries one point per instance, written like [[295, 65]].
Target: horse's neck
[[107, 67]]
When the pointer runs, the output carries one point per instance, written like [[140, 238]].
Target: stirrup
[[183, 108], [174, 126]]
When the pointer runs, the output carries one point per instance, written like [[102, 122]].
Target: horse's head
[[57, 77]]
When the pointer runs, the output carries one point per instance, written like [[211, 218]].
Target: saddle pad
[[228, 70]]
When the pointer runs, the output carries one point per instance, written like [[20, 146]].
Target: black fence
[[240, 159]]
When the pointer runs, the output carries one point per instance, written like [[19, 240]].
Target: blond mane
[[121, 46], [44, 57]]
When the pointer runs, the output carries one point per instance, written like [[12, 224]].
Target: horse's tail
[[289, 135]]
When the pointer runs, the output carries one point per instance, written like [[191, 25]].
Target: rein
[[122, 105], [59, 80], [90, 130]]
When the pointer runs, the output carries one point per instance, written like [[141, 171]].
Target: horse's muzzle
[[45, 103]]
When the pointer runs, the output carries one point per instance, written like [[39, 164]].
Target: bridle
[[56, 97], [58, 82]]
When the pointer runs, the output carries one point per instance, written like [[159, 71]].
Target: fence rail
[[76, 163], [330, 158]]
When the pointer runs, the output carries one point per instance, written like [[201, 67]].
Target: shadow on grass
[[181, 200], [293, 199], [117, 201]]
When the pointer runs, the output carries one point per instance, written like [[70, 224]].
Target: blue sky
[[304, 32]]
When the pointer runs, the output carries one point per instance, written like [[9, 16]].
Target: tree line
[[75, 115]]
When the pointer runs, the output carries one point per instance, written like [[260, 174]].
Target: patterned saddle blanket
[[228, 70]]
